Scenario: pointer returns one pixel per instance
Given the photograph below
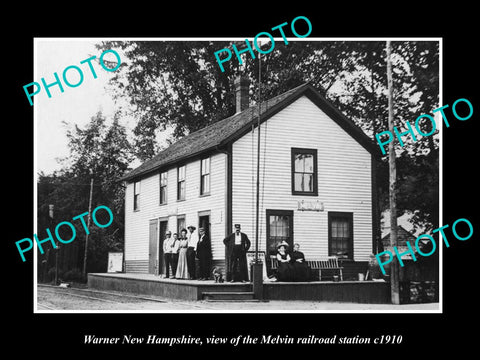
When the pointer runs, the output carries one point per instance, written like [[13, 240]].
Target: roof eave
[[339, 118], [169, 164], [308, 90]]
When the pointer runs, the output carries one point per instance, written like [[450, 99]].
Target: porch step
[[228, 296]]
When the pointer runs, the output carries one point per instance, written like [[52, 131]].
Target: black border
[[423, 334]]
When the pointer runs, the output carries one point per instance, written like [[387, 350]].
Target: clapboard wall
[[344, 178], [137, 221], [344, 185]]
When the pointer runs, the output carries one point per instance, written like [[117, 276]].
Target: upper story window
[[181, 182], [205, 176], [136, 195], [304, 172], [163, 187]]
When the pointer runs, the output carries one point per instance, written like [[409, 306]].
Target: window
[[163, 187], [304, 172], [136, 195], [205, 176], [180, 224], [181, 183], [340, 235], [279, 228]]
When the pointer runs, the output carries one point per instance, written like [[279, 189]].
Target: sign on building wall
[[310, 205]]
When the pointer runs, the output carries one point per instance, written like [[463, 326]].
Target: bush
[[51, 274], [374, 268], [73, 275]]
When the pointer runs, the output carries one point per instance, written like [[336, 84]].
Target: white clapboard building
[[316, 183]]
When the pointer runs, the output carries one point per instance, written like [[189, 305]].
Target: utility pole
[[50, 216], [257, 267], [88, 230], [257, 214], [394, 271]]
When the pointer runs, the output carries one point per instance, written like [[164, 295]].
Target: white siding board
[[136, 222], [344, 178]]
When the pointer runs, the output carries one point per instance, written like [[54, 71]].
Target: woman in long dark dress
[[284, 270], [301, 271]]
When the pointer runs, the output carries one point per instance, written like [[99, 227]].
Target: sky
[[76, 105]]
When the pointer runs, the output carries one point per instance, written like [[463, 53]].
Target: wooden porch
[[374, 292]]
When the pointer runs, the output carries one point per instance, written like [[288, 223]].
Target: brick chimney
[[241, 85]]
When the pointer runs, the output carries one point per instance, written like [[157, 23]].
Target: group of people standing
[[291, 266], [181, 252]]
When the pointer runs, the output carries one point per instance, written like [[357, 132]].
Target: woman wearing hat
[[285, 269]]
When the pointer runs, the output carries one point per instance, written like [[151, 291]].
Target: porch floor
[[375, 292]]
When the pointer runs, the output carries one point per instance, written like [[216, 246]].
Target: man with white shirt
[[170, 250], [237, 245], [191, 250]]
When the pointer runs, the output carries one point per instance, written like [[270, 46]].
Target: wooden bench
[[328, 263]]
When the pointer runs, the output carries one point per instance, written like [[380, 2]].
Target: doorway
[[279, 228], [153, 246], [204, 221], [163, 231], [157, 230]]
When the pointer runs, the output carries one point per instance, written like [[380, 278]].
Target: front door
[[204, 222], [152, 247], [279, 228]]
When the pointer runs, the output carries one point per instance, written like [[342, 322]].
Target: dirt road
[[54, 298]]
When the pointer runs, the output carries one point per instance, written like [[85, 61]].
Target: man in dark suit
[[237, 245], [204, 254]]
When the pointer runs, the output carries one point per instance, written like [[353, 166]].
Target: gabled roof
[[403, 236], [219, 134]]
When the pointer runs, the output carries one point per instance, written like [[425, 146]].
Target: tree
[[418, 163], [100, 151], [416, 85], [180, 85], [171, 84]]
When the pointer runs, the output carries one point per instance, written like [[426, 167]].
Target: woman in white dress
[[182, 269]]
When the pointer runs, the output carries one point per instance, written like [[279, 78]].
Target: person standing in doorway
[[191, 251], [237, 245], [204, 254]]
